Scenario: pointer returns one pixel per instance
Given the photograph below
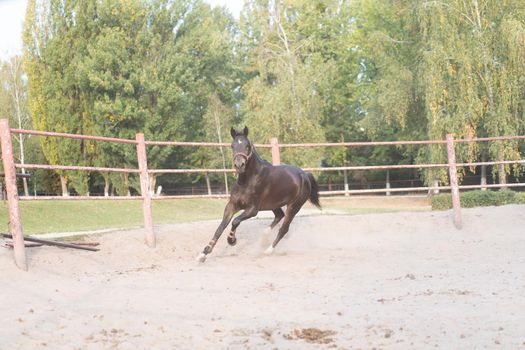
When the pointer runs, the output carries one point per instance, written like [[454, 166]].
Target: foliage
[[115, 68], [520, 197], [478, 198], [298, 70], [431, 68], [281, 97]]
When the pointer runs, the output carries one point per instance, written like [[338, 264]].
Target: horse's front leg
[[229, 211], [245, 215]]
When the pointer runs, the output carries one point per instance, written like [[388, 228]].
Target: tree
[[216, 120], [13, 104], [281, 96], [53, 49], [434, 67], [115, 68], [203, 66], [474, 73]]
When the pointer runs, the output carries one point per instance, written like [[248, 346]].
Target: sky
[[12, 16]]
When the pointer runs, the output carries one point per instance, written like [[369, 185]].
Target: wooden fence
[[15, 224]]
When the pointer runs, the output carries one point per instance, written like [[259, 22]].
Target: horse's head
[[242, 149]]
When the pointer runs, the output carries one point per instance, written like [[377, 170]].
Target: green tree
[[115, 68], [474, 72], [52, 49], [434, 67], [13, 105], [281, 96]]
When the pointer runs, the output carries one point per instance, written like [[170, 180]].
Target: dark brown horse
[[263, 186]]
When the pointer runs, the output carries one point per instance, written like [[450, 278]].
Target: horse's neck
[[254, 167]]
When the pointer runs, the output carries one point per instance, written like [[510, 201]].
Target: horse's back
[[282, 185]]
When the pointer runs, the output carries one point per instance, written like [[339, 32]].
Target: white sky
[[12, 16]]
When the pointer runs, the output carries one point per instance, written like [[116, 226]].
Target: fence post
[[276, 156], [454, 188], [144, 189], [15, 224]]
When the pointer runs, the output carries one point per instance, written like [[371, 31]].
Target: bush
[[478, 198], [442, 201]]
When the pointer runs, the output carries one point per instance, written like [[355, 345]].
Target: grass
[[86, 215], [75, 215], [376, 204]]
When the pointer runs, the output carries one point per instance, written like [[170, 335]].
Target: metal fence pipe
[[362, 144], [76, 198], [496, 138], [189, 171], [76, 168], [72, 136]]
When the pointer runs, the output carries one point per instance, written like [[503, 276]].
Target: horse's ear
[[233, 132], [245, 131]]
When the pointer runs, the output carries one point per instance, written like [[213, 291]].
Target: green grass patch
[[355, 205], [479, 198], [55, 216], [78, 215]]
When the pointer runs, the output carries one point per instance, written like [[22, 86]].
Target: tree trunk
[[345, 173], [388, 182], [219, 136], [24, 182], [63, 183], [502, 176], [226, 183], [483, 173], [126, 183], [435, 184], [106, 186], [208, 185], [15, 66], [152, 183], [284, 38]]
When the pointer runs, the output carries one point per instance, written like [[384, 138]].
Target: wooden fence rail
[[15, 224]]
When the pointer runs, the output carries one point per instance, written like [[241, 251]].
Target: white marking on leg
[[269, 250], [201, 257]]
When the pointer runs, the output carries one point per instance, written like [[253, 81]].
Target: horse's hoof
[[232, 241], [201, 257], [269, 250]]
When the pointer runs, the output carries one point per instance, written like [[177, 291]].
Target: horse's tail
[[314, 191]]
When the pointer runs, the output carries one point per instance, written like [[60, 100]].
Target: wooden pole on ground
[[454, 187], [15, 224], [144, 189]]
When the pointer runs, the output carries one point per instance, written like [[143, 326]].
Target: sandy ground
[[393, 281]]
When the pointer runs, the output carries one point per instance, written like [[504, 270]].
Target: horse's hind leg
[[245, 215], [279, 214], [291, 211]]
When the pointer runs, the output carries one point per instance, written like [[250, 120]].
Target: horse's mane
[[256, 154]]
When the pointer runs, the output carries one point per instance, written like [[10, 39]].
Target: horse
[[262, 186]]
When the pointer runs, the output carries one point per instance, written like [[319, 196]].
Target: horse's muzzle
[[240, 164], [240, 168]]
